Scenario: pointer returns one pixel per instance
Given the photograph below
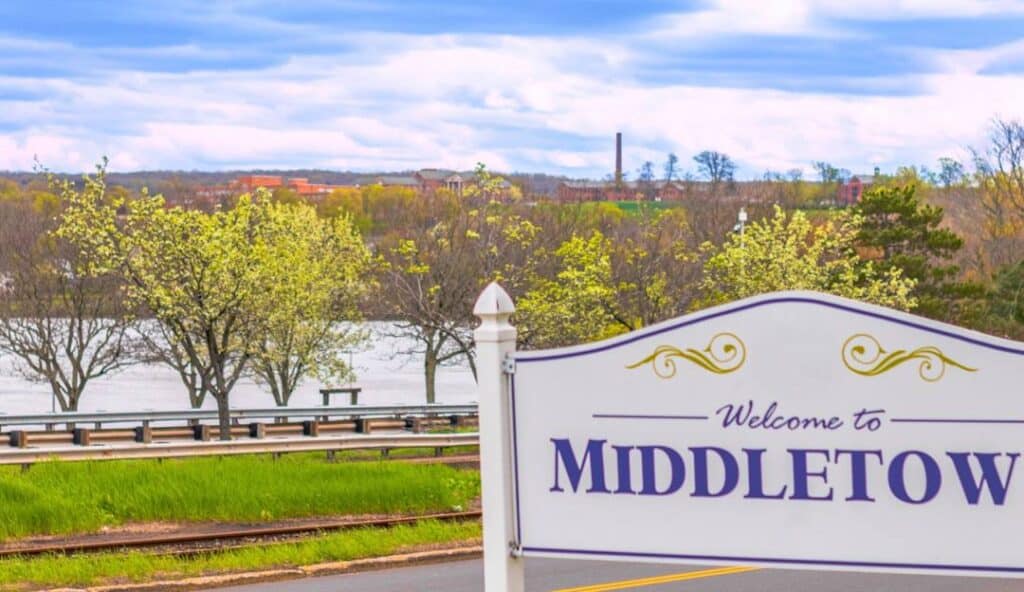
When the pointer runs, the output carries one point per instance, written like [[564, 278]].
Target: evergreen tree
[[1006, 301], [904, 233]]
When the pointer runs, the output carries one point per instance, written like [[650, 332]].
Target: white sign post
[[794, 430], [495, 341]]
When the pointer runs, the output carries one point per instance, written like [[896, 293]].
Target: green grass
[[82, 570], [404, 453], [634, 208], [63, 498]]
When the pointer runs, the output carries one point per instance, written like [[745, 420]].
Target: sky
[[529, 85]]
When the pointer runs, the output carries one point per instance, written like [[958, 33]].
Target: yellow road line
[[679, 577]]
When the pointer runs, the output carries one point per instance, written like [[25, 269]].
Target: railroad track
[[190, 543]]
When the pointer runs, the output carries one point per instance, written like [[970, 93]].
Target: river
[[384, 378]]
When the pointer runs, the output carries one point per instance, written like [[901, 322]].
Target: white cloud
[[908, 9], [738, 17], [813, 18], [405, 102]]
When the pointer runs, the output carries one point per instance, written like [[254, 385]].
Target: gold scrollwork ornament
[[864, 355], [725, 353]]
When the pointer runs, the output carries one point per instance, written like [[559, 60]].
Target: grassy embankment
[[64, 498], [84, 570]]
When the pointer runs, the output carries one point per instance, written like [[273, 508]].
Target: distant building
[[300, 185], [617, 189], [249, 183], [428, 181], [850, 192], [392, 181], [422, 181], [580, 191], [434, 179]]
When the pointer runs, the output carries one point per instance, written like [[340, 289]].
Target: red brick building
[[851, 192], [249, 183]]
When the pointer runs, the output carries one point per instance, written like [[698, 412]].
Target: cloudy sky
[[530, 85]]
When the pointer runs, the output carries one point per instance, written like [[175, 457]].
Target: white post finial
[[495, 341]]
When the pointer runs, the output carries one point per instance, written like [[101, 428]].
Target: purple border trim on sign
[[515, 461], [955, 420], [770, 560], [628, 416], [875, 315], [774, 560]]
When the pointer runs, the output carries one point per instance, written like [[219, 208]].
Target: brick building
[[434, 179], [300, 185], [851, 192], [422, 181]]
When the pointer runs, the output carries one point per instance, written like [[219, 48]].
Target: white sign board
[[788, 430]]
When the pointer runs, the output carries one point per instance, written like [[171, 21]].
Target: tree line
[[94, 277]]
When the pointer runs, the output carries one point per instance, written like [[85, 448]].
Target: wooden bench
[[353, 394]]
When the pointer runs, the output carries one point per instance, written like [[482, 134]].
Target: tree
[[715, 166], [826, 172], [671, 167], [1000, 177], [160, 346], [488, 187], [575, 305], [645, 181], [198, 274], [431, 273], [655, 267], [1006, 300], [951, 172], [596, 285], [305, 315], [66, 324], [787, 252], [906, 234]]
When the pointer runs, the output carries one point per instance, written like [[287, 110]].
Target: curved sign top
[[792, 429]]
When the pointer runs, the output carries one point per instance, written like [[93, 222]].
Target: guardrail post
[[496, 341], [415, 424], [363, 425], [19, 438], [82, 436], [257, 430], [311, 428], [144, 434], [201, 432]]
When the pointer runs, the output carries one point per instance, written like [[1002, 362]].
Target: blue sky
[[525, 86]]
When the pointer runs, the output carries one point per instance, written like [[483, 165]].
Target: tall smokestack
[[618, 158]]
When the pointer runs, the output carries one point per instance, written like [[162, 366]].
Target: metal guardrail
[[147, 417], [28, 456]]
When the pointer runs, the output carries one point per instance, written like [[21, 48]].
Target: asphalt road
[[598, 576]]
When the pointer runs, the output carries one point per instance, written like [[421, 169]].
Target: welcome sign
[[790, 430]]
